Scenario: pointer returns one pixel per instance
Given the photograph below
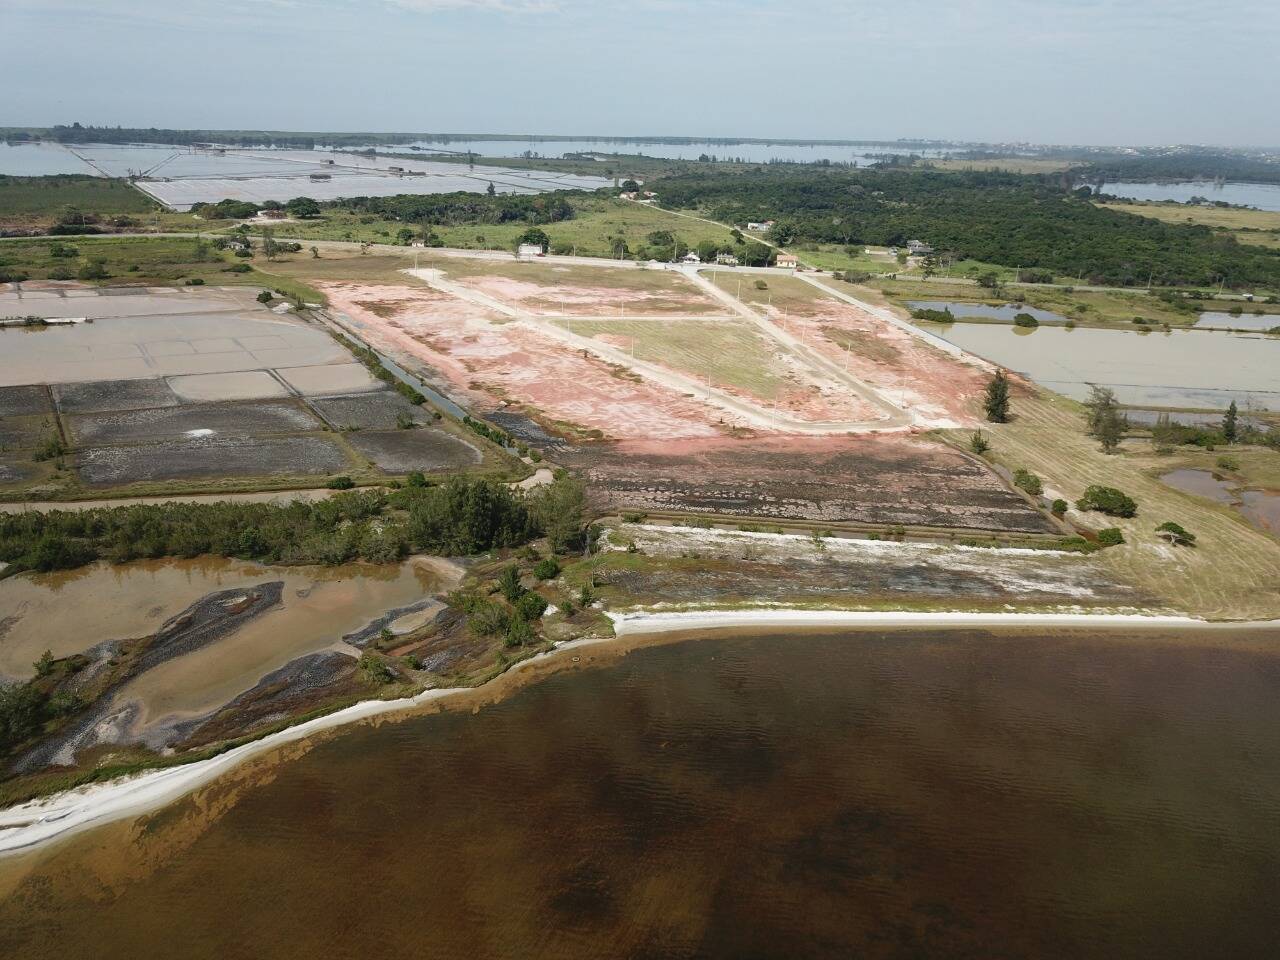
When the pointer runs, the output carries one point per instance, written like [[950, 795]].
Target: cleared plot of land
[[482, 360], [381, 410], [719, 567], [1230, 573], [868, 480], [107, 395], [1222, 218], [192, 420], [425, 449], [330, 378], [569, 290], [211, 457]]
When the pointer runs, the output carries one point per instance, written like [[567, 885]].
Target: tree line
[[996, 217], [460, 517]]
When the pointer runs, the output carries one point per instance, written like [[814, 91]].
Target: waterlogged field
[[948, 794]]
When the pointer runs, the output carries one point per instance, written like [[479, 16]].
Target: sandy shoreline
[[58, 816]]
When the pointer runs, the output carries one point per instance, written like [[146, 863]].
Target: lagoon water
[[878, 794], [1183, 368], [963, 308], [1264, 196], [860, 155]]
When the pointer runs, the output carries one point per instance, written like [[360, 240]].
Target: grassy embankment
[[598, 222], [1230, 574]]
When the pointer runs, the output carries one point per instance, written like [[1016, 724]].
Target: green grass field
[[32, 200], [731, 353], [599, 222]]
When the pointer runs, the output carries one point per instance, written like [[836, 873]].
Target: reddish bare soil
[[904, 368], [488, 359], [591, 301]]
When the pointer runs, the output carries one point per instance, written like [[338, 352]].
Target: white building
[[788, 261]]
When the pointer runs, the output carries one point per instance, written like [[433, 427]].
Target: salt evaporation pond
[[1264, 196], [1243, 321], [963, 308], [1182, 368]]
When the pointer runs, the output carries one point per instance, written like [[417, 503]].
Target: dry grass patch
[[1230, 575]]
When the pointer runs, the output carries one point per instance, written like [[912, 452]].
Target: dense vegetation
[[1183, 165], [452, 209], [459, 518], [1003, 218]]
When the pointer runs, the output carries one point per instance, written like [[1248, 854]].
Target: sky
[[1138, 72]]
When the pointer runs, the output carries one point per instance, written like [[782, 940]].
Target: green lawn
[[43, 198]]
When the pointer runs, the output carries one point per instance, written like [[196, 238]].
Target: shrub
[[1059, 508], [375, 670], [531, 606], [1025, 320], [546, 569], [264, 296], [1110, 537], [509, 584], [1107, 500], [518, 631], [341, 483], [195, 282], [978, 443], [1176, 534], [1025, 480], [50, 449]]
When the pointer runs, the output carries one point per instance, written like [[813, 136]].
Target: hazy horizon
[[1080, 72]]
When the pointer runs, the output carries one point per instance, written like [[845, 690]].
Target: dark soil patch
[[25, 401], [864, 481], [425, 449], [224, 419], [199, 458], [105, 395], [380, 410]]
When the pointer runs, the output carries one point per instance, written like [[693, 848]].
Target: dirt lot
[[211, 457], [425, 449], [193, 420], [876, 480]]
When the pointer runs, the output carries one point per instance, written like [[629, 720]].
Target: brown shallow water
[[882, 794]]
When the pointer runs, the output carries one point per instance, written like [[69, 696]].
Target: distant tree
[[990, 280], [978, 443], [491, 190], [1058, 508], [270, 248], [1111, 537], [519, 632], [1106, 423], [995, 401], [302, 208], [534, 235], [44, 666], [1230, 424], [630, 186], [559, 509], [315, 253]]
